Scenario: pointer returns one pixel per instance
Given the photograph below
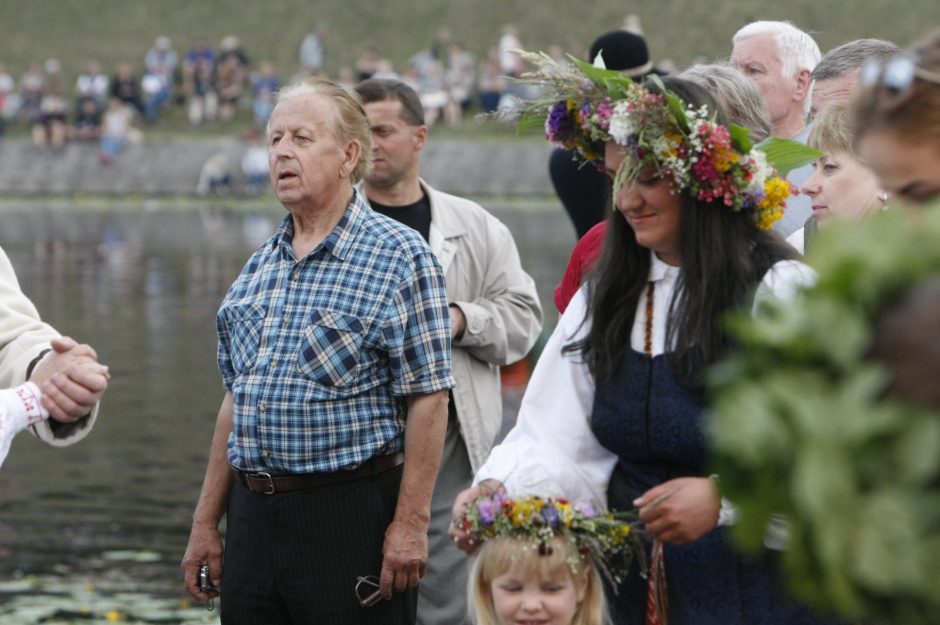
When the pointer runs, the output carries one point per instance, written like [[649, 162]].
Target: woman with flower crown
[[614, 409]]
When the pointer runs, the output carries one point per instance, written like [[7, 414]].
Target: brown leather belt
[[268, 484]]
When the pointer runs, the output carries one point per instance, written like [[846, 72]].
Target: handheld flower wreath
[[608, 539], [584, 105]]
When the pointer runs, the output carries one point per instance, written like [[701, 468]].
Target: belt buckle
[[269, 487]]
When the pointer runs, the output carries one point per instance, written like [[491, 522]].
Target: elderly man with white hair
[[780, 58]]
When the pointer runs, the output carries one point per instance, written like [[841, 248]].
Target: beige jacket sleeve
[[23, 337]]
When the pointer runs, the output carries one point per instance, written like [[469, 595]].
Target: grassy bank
[[683, 30]]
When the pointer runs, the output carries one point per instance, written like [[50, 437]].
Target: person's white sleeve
[[552, 451], [19, 408], [784, 281]]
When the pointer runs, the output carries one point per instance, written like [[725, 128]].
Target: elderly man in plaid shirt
[[334, 348]]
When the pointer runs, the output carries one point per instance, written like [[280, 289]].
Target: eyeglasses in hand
[[368, 591]]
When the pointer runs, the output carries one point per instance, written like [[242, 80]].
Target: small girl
[[512, 583], [538, 561]]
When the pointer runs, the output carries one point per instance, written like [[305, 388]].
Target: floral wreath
[[608, 539], [583, 105], [802, 426]]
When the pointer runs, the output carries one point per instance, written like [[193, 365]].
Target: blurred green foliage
[[802, 425]]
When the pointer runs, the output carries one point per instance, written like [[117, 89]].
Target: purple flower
[[488, 509], [586, 509], [558, 123], [550, 514]]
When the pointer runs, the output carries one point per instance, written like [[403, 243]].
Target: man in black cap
[[582, 188]]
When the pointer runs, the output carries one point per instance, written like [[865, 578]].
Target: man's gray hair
[[348, 123], [850, 56], [738, 96], [796, 49]]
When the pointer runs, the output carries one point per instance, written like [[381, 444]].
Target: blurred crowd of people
[[222, 82]]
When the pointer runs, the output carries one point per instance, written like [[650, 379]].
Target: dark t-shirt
[[416, 216]]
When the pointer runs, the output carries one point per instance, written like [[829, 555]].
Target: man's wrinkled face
[[832, 90], [758, 58]]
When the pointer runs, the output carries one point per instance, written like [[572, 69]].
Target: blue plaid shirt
[[320, 352]]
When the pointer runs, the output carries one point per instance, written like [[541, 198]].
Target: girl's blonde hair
[[561, 558]]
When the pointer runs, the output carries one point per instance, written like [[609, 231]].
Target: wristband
[[23, 406]]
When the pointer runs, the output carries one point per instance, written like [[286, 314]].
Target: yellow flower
[[113, 616], [724, 159], [776, 191], [523, 510], [770, 209]]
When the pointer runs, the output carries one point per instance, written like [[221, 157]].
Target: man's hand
[[205, 547], [466, 497], [405, 556], [71, 380], [680, 511]]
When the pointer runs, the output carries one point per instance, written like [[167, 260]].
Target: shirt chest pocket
[[329, 351], [245, 326]]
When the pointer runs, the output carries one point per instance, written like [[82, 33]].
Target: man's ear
[[350, 158], [420, 137], [804, 84]]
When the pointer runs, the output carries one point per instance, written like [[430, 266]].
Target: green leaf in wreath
[[785, 155]]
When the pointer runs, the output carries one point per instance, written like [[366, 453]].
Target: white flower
[[756, 162], [621, 123]]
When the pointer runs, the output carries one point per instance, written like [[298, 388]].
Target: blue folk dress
[[654, 426]]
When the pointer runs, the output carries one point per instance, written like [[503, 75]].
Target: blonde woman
[[841, 186]]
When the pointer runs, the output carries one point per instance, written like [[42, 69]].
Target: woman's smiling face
[[651, 207]]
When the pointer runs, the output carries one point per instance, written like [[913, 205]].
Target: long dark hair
[[724, 256]]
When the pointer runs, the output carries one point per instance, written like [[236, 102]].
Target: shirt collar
[[340, 240], [660, 270]]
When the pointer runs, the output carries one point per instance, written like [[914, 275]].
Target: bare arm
[[205, 544], [406, 539]]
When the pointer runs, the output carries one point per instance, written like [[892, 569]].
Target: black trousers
[[293, 558]]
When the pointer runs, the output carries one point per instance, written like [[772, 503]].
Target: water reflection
[[142, 286]]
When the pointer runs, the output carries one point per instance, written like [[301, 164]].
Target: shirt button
[[265, 453], [295, 276], [273, 362], [285, 321], [262, 406]]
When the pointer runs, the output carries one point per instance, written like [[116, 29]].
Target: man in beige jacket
[[48, 383], [495, 317]]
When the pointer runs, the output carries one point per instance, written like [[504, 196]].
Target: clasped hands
[[70, 379]]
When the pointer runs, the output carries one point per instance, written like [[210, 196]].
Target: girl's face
[[521, 598], [842, 187], [908, 171], [650, 206]]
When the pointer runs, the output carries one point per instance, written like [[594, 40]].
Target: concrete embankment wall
[[172, 168]]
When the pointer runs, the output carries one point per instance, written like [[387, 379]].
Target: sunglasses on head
[[895, 75]]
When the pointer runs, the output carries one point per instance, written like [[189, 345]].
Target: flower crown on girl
[[607, 539], [583, 105]]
